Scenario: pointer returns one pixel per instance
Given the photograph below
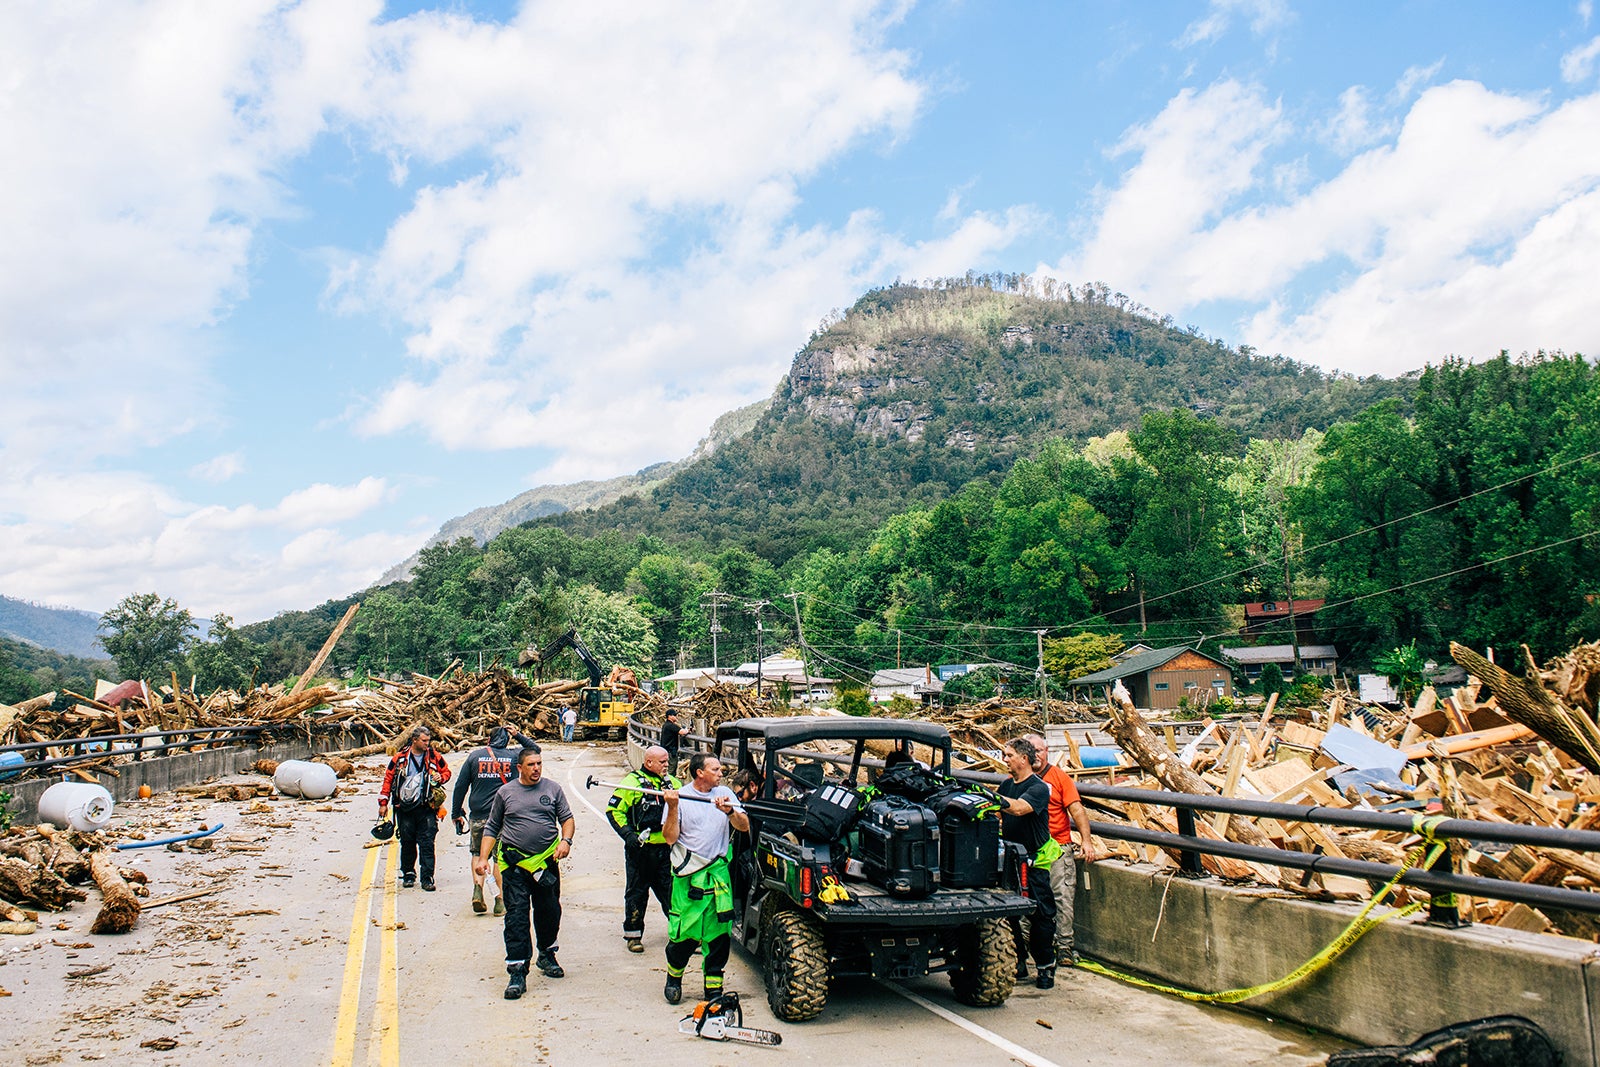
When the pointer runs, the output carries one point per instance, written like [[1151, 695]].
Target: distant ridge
[[65, 630], [482, 524]]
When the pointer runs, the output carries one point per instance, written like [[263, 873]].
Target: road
[[308, 954]]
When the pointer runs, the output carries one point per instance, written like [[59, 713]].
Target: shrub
[[854, 702]]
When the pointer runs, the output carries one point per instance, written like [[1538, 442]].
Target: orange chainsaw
[[721, 1019]]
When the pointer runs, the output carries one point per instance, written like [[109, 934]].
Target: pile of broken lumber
[[1501, 748], [42, 867]]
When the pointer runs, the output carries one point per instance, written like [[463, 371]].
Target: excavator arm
[[571, 640]]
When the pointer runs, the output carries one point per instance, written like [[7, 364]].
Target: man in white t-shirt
[[569, 720], [700, 831]]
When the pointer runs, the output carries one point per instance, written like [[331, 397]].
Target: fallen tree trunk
[[1528, 702], [121, 908], [1130, 730], [25, 883]]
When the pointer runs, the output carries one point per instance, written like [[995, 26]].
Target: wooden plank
[[1231, 784]]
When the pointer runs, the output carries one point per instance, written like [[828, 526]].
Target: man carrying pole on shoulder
[[702, 887], [529, 831], [639, 820]]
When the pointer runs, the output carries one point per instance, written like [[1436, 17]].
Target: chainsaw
[[721, 1019]]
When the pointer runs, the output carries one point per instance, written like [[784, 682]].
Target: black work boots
[[674, 990], [519, 981]]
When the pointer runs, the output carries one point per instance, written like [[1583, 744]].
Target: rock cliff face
[[917, 391]]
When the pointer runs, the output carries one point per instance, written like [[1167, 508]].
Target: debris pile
[[43, 867], [1501, 748]]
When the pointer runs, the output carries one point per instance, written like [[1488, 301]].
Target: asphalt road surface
[[307, 953]]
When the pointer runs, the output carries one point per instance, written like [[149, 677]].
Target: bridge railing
[[1441, 884], [152, 742]]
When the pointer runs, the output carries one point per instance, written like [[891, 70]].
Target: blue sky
[[287, 285]]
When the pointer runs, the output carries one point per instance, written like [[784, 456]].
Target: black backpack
[[829, 812]]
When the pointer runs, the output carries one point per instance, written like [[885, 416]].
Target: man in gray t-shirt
[[530, 828]]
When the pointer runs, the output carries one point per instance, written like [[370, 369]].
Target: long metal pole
[[592, 781]]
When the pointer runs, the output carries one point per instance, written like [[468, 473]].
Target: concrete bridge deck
[[292, 962]]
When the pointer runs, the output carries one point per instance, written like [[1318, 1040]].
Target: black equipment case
[[969, 842], [899, 846]]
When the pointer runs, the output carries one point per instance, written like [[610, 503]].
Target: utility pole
[[760, 640], [897, 650], [800, 635], [715, 597], [1044, 698], [1288, 586]]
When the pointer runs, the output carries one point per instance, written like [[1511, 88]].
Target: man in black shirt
[[670, 732], [1025, 819]]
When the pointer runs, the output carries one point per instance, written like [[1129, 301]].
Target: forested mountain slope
[[66, 630], [915, 391]]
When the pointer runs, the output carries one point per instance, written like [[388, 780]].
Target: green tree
[[612, 628], [146, 635], [1066, 658], [1364, 510], [225, 660], [1405, 668], [1182, 514], [853, 701]]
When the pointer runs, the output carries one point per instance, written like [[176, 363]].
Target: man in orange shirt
[[1066, 811]]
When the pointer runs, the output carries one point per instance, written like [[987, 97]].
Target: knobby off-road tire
[[797, 968], [986, 964]]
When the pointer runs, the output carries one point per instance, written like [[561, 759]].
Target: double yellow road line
[[383, 1046]]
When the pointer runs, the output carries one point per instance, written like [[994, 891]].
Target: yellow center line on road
[[383, 1050], [344, 1034]]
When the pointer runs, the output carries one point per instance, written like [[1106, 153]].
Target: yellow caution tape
[[1430, 845]]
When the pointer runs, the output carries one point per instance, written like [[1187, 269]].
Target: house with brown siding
[[1158, 679]]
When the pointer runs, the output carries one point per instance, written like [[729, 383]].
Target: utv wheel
[[797, 968], [986, 963]]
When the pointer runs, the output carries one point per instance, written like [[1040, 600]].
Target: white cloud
[[1586, 10], [1355, 126], [86, 534], [1472, 231], [219, 468], [1412, 79], [1578, 64], [151, 132], [1193, 159], [540, 291], [618, 262], [1264, 16]]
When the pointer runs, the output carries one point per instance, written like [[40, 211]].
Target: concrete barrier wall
[[171, 771], [1401, 980]]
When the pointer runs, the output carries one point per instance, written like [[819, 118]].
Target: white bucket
[[76, 806], [302, 778]]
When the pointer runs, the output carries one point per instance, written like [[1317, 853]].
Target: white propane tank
[[76, 806], [302, 778]]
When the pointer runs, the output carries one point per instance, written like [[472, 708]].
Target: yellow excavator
[[600, 707]]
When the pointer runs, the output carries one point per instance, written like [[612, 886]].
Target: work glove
[[461, 825]]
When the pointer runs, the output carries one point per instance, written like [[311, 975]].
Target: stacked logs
[[43, 867]]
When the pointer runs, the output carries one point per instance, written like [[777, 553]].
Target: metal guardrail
[[99, 746], [1441, 885]]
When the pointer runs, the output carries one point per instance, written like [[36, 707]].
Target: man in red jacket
[[414, 783]]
